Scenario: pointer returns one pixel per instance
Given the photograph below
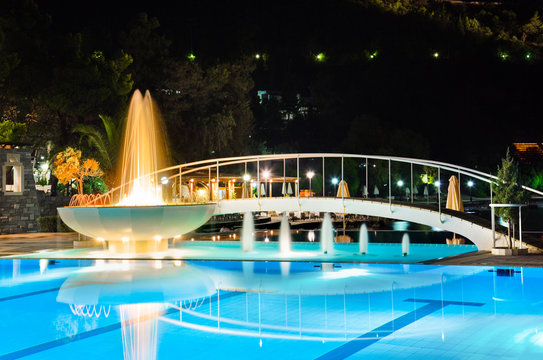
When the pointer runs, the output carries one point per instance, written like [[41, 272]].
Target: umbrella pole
[[343, 224]]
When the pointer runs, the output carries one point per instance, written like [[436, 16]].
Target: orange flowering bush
[[68, 166]]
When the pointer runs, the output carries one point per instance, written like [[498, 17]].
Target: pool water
[[158, 309]]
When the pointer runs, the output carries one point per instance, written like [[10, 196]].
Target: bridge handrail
[[227, 161]]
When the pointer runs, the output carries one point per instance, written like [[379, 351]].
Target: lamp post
[[335, 181], [400, 185], [470, 185], [310, 175], [266, 176]]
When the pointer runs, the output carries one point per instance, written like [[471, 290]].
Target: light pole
[[470, 185], [400, 185], [310, 175], [335, 181]]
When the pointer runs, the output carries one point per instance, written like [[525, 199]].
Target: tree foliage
[[207, 110], [69, 166], [509, 189]]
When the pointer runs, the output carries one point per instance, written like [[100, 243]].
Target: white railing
[[176, 178]]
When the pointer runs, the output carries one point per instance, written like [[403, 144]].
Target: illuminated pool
[[162, 309]]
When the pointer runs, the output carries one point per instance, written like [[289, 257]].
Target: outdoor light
[[528, 56], [335, 181], [44, 166], [437, 183], [436, 55], [470, 185], [310, 175], [266, 174], [320, 57], [246, 177], [257, 56], [400, 183], [191, 57], [164, 180]]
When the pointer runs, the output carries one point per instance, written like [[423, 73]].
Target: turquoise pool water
[[229, 309]]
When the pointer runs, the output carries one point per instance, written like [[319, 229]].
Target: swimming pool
[[97, 309]]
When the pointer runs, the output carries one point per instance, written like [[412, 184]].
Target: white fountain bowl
[[120, 223]]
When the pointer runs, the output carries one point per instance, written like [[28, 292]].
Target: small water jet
[[327, 235], [285, 268], [247, 233], [363, 239], [405, 244], [284, 236]]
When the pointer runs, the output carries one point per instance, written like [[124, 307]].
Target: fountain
[[247, 233], [327, 235], [363, 239], [405, 244], [139, 221], [284, 236]]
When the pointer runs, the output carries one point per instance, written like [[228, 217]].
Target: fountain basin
[[139, 223]]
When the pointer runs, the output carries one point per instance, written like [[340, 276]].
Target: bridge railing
[[258, 175]]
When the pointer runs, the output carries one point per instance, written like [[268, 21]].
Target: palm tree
[[106, 147]]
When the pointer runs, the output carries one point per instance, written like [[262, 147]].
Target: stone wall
[[19, 211], [48, 204]]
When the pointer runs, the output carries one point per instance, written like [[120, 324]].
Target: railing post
[[439, 191], [492, 221], [411, 183], [342, 192], [323, 192], [218, 180], [520, 225], [298, 176], [389, 184], [258, 176], [491, 197], [284, 177], [180, 184], [367, 184]]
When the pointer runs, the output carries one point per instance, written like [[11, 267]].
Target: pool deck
[[19, 244]]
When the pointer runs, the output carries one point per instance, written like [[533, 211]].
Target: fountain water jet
[[327, 235], [143, 153], [247, 237], [405, 244], [284, 236], [363, 239]]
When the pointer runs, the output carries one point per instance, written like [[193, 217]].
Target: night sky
[[468, 105]]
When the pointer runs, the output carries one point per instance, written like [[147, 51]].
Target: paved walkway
[[18, 244], [487, 259]]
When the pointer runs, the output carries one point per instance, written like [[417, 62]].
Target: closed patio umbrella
[[245, 193], [454, 200], [289, 189], [283, 190], [376, 191], [262, 189], [343, 189]]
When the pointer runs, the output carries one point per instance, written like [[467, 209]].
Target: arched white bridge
[[217, 179]]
